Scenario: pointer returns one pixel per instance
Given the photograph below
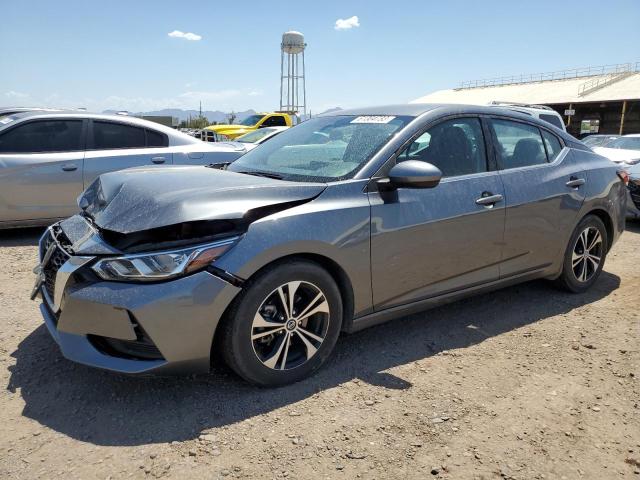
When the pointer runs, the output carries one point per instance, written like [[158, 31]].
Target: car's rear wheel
[[284, 325], [584, 256]]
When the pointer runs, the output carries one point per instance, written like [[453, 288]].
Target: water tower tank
[[292, 42]]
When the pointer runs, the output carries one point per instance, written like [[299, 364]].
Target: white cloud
[[347, 23], [17, 95], [186, 36]]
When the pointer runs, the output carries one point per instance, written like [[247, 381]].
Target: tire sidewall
[[245, 362], [567, 271]]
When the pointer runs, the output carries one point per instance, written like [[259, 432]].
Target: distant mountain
[[212, 115]]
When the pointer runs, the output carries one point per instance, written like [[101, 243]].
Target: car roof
[[632, 135], [417, 109], [177, 137], [70, 114]]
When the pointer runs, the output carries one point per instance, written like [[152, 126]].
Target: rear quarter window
[[156, 139], [552, 144]]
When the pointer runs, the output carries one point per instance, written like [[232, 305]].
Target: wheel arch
[[608, 223], [338, 274]]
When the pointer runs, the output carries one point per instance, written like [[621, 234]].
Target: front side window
[[518, 144], [43, 136], [108, 135], [322, 149], [455, 146], [552, 119], [552, 144], [275, 121]]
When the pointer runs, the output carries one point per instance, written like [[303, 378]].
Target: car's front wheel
[[284, 325], [584, 256]]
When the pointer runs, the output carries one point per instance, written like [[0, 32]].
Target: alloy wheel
[[290, 325], [587, 254]]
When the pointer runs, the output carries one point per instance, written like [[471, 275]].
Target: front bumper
[[177, 320]]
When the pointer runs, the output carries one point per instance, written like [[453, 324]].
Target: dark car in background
[[342, 222]]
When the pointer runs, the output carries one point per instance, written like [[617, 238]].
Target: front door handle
[[489, 200], [69, 167], [158, 159], [575, 182]]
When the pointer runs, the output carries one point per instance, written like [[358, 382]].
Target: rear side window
[[43, 137], [276, 121], [108, 135], [156, 139], [552, 119], [455, 146], [518, 144], [552, 144]]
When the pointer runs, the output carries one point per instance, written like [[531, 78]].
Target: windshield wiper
[[219, 166], [258, 173]]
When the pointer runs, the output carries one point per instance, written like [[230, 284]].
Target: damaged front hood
[[139, 199]]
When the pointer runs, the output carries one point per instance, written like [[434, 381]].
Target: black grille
[[635, 194], [57, 259], [129, 349], [142, 348]]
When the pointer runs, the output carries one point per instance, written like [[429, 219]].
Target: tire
[[269, 346], [573, 277]]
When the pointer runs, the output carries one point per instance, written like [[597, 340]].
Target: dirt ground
[[524, 383]]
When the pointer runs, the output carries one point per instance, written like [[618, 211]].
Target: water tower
[[293, 94]]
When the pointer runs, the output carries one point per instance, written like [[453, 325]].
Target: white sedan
[[625, 149]]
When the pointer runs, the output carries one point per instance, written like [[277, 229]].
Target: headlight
[[148, 267]]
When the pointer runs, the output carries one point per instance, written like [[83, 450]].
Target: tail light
[[624, 176]]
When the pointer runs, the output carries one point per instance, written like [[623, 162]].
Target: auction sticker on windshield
[[373, 119]]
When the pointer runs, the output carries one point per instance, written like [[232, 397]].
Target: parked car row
[[345, 221], [47, 158]]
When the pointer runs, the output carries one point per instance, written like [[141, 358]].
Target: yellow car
[[253, 122]]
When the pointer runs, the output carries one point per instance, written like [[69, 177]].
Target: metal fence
[[549, 76]]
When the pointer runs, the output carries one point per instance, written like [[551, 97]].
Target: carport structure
[[604, 99]]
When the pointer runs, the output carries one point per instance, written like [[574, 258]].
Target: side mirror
[[414, 174]]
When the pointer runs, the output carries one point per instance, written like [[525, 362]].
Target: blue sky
[[118, 54]]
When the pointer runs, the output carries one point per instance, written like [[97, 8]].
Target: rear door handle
[[158, 159], [575, 182], [488, 199], [69, 167]]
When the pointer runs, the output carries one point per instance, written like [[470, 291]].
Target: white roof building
[[617, 86]]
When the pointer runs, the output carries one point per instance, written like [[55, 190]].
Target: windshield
[[255, 136], [251, 120], [322, 149], [626, 143]]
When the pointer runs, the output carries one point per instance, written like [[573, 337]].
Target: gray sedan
[[342, 222], [48, 158]]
